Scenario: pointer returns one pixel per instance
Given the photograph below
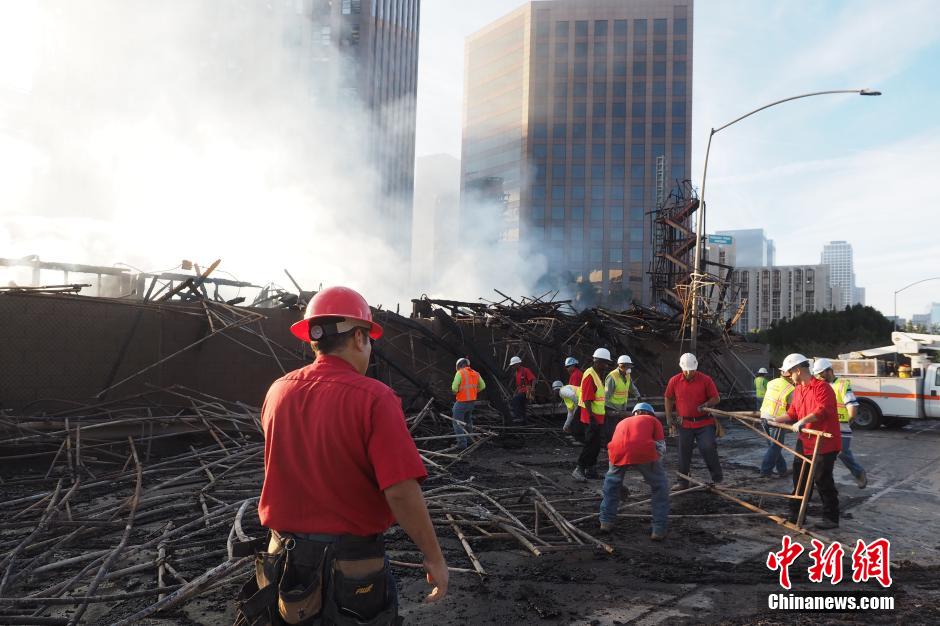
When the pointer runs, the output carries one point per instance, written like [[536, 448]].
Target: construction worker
[[686, 395], [617, 390], [847, 408], [777, 399], [340, 467], [638, 442], [814, 406], [467, 384], [574, 372], [523, 386], [760, 386], [593, 409], [569, 395]]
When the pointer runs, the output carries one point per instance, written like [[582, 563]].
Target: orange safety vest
[[469, 381]]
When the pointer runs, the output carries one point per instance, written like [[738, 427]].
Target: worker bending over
[[570, 395], [686, 395], [467, 384], [638, 443], [340, 467], [847, 408]]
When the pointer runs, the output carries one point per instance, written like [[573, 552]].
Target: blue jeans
[[463, 412], [655, 476], [704, 438], [773, 457], [517, 405], [847, 458]]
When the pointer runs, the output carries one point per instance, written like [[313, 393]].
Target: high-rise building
[[838, 256], [782, 292], [935, 313], [582, 110], [752, 247], [369, 51]]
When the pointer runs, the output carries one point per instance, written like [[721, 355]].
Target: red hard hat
[[336, 302]]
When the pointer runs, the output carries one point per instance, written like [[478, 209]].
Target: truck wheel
[[868, 417]]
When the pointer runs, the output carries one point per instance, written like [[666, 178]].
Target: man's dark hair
[[329, 344]]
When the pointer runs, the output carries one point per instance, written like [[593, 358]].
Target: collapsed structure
[[130, 443]]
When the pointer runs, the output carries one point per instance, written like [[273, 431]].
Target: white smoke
[[145, 133]]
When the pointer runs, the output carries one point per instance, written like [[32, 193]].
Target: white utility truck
[[896, 390]]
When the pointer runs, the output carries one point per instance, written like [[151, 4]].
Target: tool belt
[[316, 579]]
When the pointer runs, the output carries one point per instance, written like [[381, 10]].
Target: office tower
[[580, 111], [752, 247], [838, 256]]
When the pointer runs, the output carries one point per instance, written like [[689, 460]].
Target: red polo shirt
[[817, 397], [690, 395], [524, 379], [334, 440], [634, 440], [575, 377]]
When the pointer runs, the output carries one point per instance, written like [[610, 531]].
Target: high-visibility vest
[[841, 386], [469, 381], [597, 404], [621, 388], [777, 399], [570, 403], [760, 386]]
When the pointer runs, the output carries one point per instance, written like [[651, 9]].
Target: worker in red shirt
[[574, 372], [814, 406], [340, 467], [592, 415], [686, 395], [638, 442], [523, 386]]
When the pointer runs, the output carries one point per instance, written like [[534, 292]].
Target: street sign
[[721, 240]]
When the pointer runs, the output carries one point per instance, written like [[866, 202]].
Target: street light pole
[[700, 218], [923, 280]]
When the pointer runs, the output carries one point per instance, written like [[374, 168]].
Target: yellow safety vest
[[597, 405], [841, 386], [760, 386], [569, 403], [777, 397], [621, 388]]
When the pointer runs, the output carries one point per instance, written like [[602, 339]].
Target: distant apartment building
[[782, 292], [935, 312], [581, 110], [838, 256], [752, 247]]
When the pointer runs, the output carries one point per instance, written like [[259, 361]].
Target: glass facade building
[[582, 110]]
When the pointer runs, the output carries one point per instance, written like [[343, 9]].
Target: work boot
[[658, 535], [862, 480], [826, 524], [578, 475], [606, 527]]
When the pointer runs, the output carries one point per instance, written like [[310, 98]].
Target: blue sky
[[810, 171]]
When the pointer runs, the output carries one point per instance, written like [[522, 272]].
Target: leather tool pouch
[[300, 588], [360, 594]]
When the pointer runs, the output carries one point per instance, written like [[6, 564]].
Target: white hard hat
[[463, 362], [557, 384], [688, 362], [762, 370], [515, 360], [624, 359], [792, 361], [571, 361], [820, 366], [602, 353]]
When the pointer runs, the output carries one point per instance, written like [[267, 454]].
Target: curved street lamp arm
[[767, 106], [923, 280]]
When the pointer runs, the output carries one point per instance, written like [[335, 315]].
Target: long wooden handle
[[743, 415]]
